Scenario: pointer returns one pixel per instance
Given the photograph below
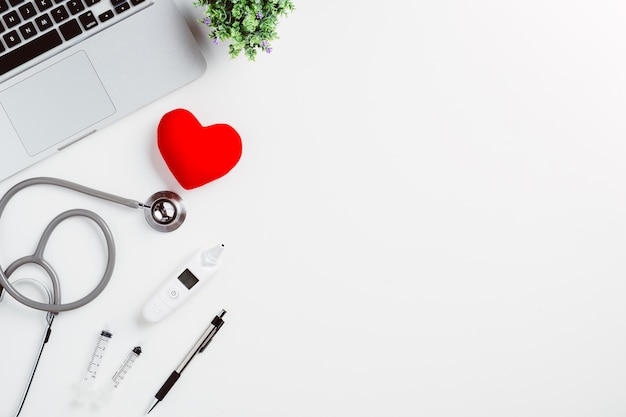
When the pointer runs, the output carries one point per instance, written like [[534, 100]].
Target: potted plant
[[250, 25]]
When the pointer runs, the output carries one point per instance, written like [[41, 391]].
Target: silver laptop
[[71, 67]]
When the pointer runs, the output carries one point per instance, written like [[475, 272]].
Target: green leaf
[[240, 22]]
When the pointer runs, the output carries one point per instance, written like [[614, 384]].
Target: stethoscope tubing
[[55, 306], [69, 185]]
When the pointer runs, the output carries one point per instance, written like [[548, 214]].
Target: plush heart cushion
[[197, 154]]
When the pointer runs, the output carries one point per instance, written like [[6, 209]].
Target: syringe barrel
[[126, 365], [98, 353]]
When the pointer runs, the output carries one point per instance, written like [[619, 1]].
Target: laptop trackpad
[[76, 99]]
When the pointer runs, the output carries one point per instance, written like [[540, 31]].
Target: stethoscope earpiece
[[164, 211]]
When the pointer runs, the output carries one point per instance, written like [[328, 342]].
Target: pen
[[199, 347]]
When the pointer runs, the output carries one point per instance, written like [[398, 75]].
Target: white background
[[428, 219]]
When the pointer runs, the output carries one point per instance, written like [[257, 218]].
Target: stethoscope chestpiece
[[164, 211]]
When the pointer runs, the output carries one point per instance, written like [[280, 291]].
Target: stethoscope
[[163, 211]]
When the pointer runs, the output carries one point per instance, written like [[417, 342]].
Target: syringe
[[126, 365], [96, 357], [118, 376], [88, 381]]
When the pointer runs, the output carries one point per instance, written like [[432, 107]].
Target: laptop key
[[75, 6], [122, 8], [15, 2], [70, 29], [3, 6], [43, 4], [27, 11], [11, 19], [43, 22], [28, 51], [12, 38], [106, 16], [59, 14], [88, 20], [28, 30]]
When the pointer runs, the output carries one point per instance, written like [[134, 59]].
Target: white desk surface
[[428, 219]]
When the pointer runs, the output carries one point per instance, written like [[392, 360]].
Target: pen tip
[[153, 405]]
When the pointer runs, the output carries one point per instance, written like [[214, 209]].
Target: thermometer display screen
[[188, 279]]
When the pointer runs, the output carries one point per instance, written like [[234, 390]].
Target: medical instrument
[[87, 383], [126, 365], [46, 336], [189, 276], [96, 356], [118, 376], [163, 211], [199, 347], [107, 392]]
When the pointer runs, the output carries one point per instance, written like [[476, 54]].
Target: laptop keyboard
[[31, 28]]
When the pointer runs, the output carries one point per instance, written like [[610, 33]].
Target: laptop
[[71, 67]]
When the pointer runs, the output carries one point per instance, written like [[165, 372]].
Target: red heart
[[194, 153]]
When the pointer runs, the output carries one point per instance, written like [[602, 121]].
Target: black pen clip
[[217, 323]]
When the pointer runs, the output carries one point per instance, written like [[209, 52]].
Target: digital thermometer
[[187, 279]]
